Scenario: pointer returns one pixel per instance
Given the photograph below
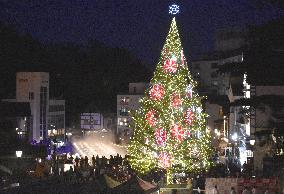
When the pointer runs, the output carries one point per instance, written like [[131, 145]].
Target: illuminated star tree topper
[[173, 9]]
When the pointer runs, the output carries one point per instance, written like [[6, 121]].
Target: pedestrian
[[245, 191], [233, 191], [86, 161], [266, 191], [77, 161], [94, 161], [253, 191], [215, 190], [82, 161]]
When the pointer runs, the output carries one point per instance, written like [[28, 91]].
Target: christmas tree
[[170, 127]]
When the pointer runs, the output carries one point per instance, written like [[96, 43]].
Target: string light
[[174, 9], [170, 118]]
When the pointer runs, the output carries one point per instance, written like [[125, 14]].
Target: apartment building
[[125, 104]]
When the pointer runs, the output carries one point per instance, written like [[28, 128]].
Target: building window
[[124, 100], [31, 95], [221, 113], [214, 65], [123, 122], [123, 111], [97, 122], [214, 83]]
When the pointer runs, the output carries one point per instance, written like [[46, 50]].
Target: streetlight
[[235, 137], [252, 142], [19, 154]]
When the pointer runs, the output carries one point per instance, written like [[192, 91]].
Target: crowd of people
[[83, 169]]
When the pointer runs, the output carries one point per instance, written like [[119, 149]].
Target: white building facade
[[91, 121], [47, 115], [127, 103], [33, 87]]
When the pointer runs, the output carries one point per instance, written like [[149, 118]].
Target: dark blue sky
[[138, 25]]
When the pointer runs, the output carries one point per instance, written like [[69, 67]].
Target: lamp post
[[252, 142], [18, 155]]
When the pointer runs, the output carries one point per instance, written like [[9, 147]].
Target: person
[[69, 174], [93, 161], [97, 160], [245, 191], [233, 191], [245, 169], [82, 161], [253, 191], [215, 190], [77, 161], [86, 162], [266, 191]]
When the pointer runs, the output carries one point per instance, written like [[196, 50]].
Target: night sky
[[140, 26]]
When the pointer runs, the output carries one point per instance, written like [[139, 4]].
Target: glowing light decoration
[[174, 9], [170, 65], [182, 58], [172, 127], [161, 136], [177, 132], [187, 134], [147, 141], [188, 91], [175, 100], [164, 160], [157, 92], [189, 116], [151, 117], [198, 110]]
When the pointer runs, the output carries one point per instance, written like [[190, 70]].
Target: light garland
[[157, 92], [151, 117], [160, 136], [170, 118]]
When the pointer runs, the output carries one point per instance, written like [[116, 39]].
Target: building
[[110, 122], [16, 116], [56, 119], [221, 89], [47, 117], [33, 87], [204, 72], [91, 122], [239, 123], [217, 108], [266, 122], [127, 103], [229, 39]]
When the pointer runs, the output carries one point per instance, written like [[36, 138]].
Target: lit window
[[124, 100], [214, 83]]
